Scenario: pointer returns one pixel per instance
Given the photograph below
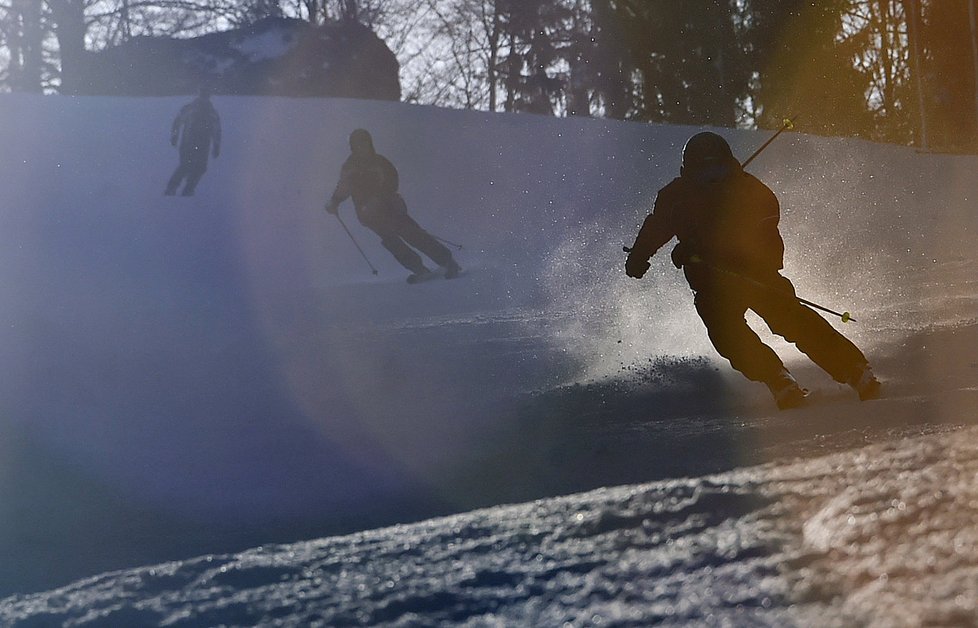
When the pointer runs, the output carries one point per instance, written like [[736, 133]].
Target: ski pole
[[845, 316], [786, 126], [448, 242], [354, 240]]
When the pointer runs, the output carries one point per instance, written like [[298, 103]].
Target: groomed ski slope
[[882, 536], [200, 376]]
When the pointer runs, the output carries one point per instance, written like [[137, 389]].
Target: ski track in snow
[[228, 375]]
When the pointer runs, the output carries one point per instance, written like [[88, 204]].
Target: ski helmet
[[707, 158], [361, 142]]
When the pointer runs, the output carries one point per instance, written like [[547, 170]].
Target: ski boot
[[452, 269], [422, 274], [786, 391], [865, 384]]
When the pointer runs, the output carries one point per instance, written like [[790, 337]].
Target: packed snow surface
[[199, 376], [838, 540]]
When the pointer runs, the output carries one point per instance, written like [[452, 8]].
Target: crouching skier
[[372, 181], [731, 252]]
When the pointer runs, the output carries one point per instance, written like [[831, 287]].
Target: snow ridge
[[783, 544]]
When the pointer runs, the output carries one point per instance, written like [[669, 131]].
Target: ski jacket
[[196, 126], [371, 180], [732, 224]]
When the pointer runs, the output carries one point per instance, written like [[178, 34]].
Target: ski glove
[[635, 266], [333, 208], [216, 152]]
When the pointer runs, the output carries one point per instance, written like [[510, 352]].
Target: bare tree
[[23, 33], [643, 59], [452, 56], [878, 33], [320, 11], [70, 30]]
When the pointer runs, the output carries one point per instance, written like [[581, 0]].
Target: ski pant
[[722, 302], [399, 232], [192, 166]]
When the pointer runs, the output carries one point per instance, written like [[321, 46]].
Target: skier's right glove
[[333, 208], [636, 266]]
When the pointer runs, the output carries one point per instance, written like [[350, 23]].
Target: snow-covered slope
[[192, 376], [884, 537]]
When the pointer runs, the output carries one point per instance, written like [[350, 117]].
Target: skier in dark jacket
[[731, 251], [372, 181], [197, 128]]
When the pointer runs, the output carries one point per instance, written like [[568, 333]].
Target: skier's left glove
[[636, 266]]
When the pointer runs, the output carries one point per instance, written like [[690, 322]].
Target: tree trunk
[[69, 25], [27, 56]]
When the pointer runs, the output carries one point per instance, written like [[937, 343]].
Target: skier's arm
[[656, 231], [175, 127], [389, 178], [770, 245], [341, 192]]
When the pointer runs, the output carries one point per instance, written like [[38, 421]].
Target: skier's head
[[204, 92], [707, 158], [361, 143]]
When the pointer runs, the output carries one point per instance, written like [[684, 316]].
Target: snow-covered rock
[[272, 57]]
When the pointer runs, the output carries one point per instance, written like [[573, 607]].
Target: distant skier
[[731, 252], [198, 128], [372, 182]]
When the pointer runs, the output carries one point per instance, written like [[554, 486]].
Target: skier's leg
[[192, 180], [412, 233], [736, 341], [813, 335], [196, 171], [391, 240], [178, 174], [723, 314], [404, 254]]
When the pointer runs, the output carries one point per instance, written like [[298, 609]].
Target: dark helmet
[[361, 142], [707, 158], [706, 147]]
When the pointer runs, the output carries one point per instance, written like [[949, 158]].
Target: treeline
[[892, 70]]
